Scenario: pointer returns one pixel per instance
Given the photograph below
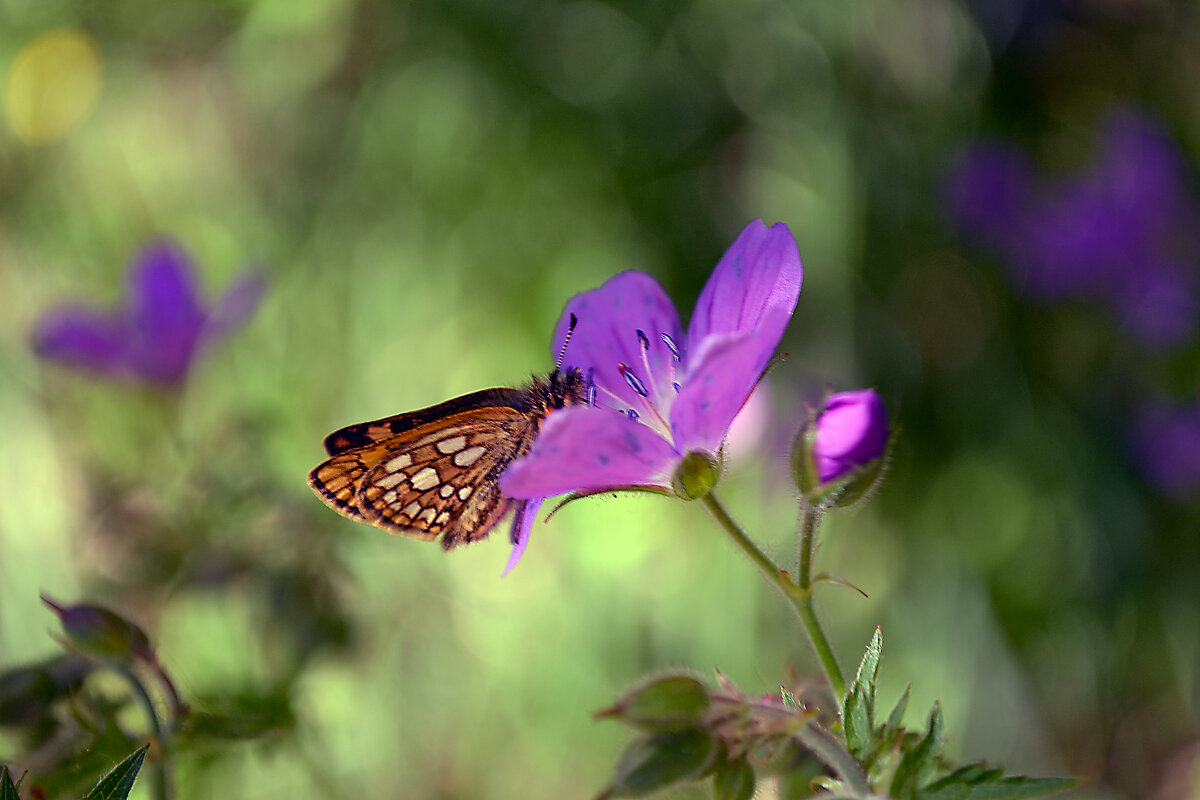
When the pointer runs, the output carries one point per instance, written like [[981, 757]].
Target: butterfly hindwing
[[436, 471], [443, 478]]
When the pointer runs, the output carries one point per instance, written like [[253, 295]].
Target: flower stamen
[[634, 382], [670, 343]]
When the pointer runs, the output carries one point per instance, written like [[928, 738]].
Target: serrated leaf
[[656, 762], [733, 780], [979, 782], [868, 668], [856, 721], [117, 784], [897, 716], [919, 760], [7, 790], [790, 700]]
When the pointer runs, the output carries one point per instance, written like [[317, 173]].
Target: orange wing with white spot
[[436, 478], [436, 470]]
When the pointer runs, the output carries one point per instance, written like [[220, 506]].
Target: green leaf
[[979, 782], [856, 721], [117, 784], [919, 761], [868, 668], [897, 716], [7, 790], [656, 762], [663, 704], [28, 692], [733, 780]]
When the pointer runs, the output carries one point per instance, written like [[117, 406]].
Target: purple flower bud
[[838, 456], [851, 432], [102, 634]]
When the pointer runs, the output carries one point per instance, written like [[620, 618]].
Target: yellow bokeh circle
[[52, 85]]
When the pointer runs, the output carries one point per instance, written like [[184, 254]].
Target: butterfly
[[436, 471]]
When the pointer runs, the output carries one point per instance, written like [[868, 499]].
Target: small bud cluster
[[693, 731]]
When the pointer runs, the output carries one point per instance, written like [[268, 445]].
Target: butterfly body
[[435, 471]]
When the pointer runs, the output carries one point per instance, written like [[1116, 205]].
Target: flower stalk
[[162, 782], [798, 593]]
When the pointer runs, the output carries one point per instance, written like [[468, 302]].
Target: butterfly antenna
[[563, 350]]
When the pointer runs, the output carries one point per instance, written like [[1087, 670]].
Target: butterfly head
[[564, 387]]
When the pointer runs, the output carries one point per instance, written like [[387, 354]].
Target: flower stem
[[798, 594], [809, 519], [162, 787]]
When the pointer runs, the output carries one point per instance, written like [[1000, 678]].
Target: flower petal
[[164, 313], [852, 430], [83, 338], [522, 524], [236, 306], [758, 277], [606, 335], [585, 449], [720, 379]]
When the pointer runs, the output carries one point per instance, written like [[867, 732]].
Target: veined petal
[[608, 320], [583, 449], [522, 524], [81, 337], [165, 313], [759, 276], [720, 379]]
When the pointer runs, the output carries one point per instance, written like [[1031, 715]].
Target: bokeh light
[[52, 85]]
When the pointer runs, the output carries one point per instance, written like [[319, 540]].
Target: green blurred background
[[424, 185]]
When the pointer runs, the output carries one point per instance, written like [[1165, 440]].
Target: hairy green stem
[[162, 788], [803, 599], [799, 594], [825, 746]]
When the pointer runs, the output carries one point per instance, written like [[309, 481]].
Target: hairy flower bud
[[838, 455], [662, 704], [102, 634]]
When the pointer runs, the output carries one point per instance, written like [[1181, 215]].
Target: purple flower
[[851, 432], [1121, 233], [1166, 444], [660, 394], [162, 329]]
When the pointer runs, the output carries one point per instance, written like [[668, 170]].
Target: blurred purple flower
[[1123, 233], [990, 189], [1166, 445], [159, 333], [851, 432], [660, 394]]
